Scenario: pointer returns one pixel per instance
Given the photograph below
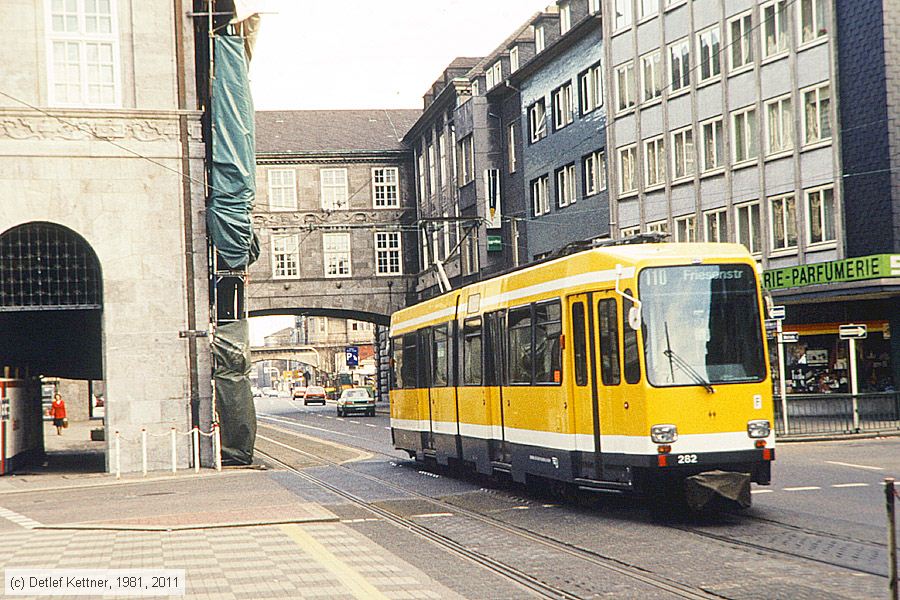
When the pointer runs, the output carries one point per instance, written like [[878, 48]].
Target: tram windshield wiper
[[681, 363]]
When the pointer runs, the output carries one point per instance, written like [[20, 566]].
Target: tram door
[[607, 366], [494, 361], [580, 387], [425, 378]]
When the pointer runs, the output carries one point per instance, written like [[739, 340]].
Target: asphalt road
[[835, 486]]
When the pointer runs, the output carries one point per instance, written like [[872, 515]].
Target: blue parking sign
[[352, 354]]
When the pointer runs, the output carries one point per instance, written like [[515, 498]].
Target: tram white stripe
[[19, 519], [619, 444], [488, 302]]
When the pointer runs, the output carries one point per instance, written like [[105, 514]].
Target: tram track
[[531, 582], [814, 539]]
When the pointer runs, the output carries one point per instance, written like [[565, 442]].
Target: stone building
[[101, 217], [335, 214]]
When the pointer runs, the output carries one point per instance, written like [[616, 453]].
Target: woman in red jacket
[[58, 412]]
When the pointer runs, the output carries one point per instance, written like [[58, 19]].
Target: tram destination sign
[[852, 332], [876, 266]]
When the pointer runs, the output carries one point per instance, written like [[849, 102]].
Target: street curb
[[78, 527], [836, 437]]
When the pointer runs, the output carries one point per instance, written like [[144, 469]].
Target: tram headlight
[[663, 434], [759, 429]]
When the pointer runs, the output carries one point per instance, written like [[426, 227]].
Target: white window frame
[[712, 137], [593, 166], [565, 186], [718, 218], [540, 39], [786, 204], [565, 17], [785, 126], [590, 89], [686, 229], [658, 227], [336, 254], [817, 19], [709, 42], [822, 117], [334, 195], [748, 150], [651, 76], [420, 167], [648, 8], [781, 30], [743, 45], [285, 256], [75, 35], [476, 88], [625, 78], [683, 139], [493, 76], [626, 232], [754, 232], [388, 253], [593, 6], [432, 171], [442, 159], [385, 187], [826, 221], [282, 189], [623, 14], [466, 161], [680, 75], [562, 106], [511, 147], [537, 121], [540, 199], [630, 169], [655, 162], [514, 59]]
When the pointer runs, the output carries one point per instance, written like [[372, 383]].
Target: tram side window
[[440, 356], [608, 323], [519, 355], [579, 344], [472, 355], [404, 368], [492, 340], [632, 361], [547, 331]]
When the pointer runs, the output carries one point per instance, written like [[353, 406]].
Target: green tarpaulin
[[233, 172], [234, 398]]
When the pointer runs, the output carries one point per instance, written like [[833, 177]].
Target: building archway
[[51, 302]]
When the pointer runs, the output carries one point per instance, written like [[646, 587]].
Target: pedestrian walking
[[58, 412]]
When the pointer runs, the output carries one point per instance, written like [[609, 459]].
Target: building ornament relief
[[17, 127]]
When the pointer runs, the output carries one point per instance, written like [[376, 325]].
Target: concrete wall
[[125, 199]]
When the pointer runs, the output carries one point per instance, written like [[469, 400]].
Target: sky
[[367, 54]]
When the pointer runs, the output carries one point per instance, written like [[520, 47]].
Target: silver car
[[356, 400]]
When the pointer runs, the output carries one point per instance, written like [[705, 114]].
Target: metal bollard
[[174, 452], [118, 456], [144, 451], [890, 494], [195, 439], [217, 439]]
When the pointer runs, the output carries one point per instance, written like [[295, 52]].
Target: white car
[[356, 400]]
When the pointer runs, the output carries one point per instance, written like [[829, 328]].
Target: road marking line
[[520, 507], [846, 485], [354, 422], [387, 427], [761, 491], [843, 464], [802, 488], [429, 515], [298, 424], [19, 519], [358, 520], [346, 575], [369, 425]]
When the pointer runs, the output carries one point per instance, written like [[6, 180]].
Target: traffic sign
[[352, 354], [790, 337], [777, 313], [771, 328], [853, 332]]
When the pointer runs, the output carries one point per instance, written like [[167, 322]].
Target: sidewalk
[[241, 533]]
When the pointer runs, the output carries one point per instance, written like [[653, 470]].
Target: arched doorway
[[51, 300]]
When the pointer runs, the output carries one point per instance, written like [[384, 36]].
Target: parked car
[[356, 400], [298, 392], [314, 394]]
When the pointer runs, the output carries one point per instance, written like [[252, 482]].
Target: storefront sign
[[876, 266]]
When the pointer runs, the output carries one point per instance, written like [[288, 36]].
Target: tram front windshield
[[701, 325]]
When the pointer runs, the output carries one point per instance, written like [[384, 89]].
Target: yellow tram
[[612, 368]]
